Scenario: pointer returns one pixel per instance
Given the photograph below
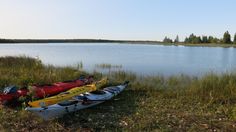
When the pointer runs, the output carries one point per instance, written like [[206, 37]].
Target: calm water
[[142, 59]]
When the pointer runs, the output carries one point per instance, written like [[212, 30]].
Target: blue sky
[[116, 19]]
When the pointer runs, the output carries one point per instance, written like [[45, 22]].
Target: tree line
[[193, 39], [5, 41]]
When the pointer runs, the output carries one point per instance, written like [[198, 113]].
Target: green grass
[[150, 103], [24, 71]]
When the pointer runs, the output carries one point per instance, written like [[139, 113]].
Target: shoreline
[[141, 42]]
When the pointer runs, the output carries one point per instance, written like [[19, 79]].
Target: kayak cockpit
[[68, 102], [98, 92]]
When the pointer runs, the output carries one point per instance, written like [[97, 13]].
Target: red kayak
[[8, 97], [11, 94], [56, 88]]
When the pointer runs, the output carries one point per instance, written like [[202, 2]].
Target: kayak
[[68, 94], [11, 94], [78, 102], [56, 88]]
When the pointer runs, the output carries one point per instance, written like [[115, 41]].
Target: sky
[[115, 19]]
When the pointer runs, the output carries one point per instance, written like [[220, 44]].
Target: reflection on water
[[142, 59]]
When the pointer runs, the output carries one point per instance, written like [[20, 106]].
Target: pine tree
[[177, 39], [191, 38], [186, 40], [216, 40], [227, 38], [167, 40], [205, 39], [197, 40], [210, 39], [235, 38]]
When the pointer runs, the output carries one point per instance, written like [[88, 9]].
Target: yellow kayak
[[68, 94]]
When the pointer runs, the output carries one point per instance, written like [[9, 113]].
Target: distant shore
[[28, 41], [73, 41]]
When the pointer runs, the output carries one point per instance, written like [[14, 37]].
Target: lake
[[141, 59]]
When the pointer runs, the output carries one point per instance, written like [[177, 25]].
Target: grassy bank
[[177, 103]]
